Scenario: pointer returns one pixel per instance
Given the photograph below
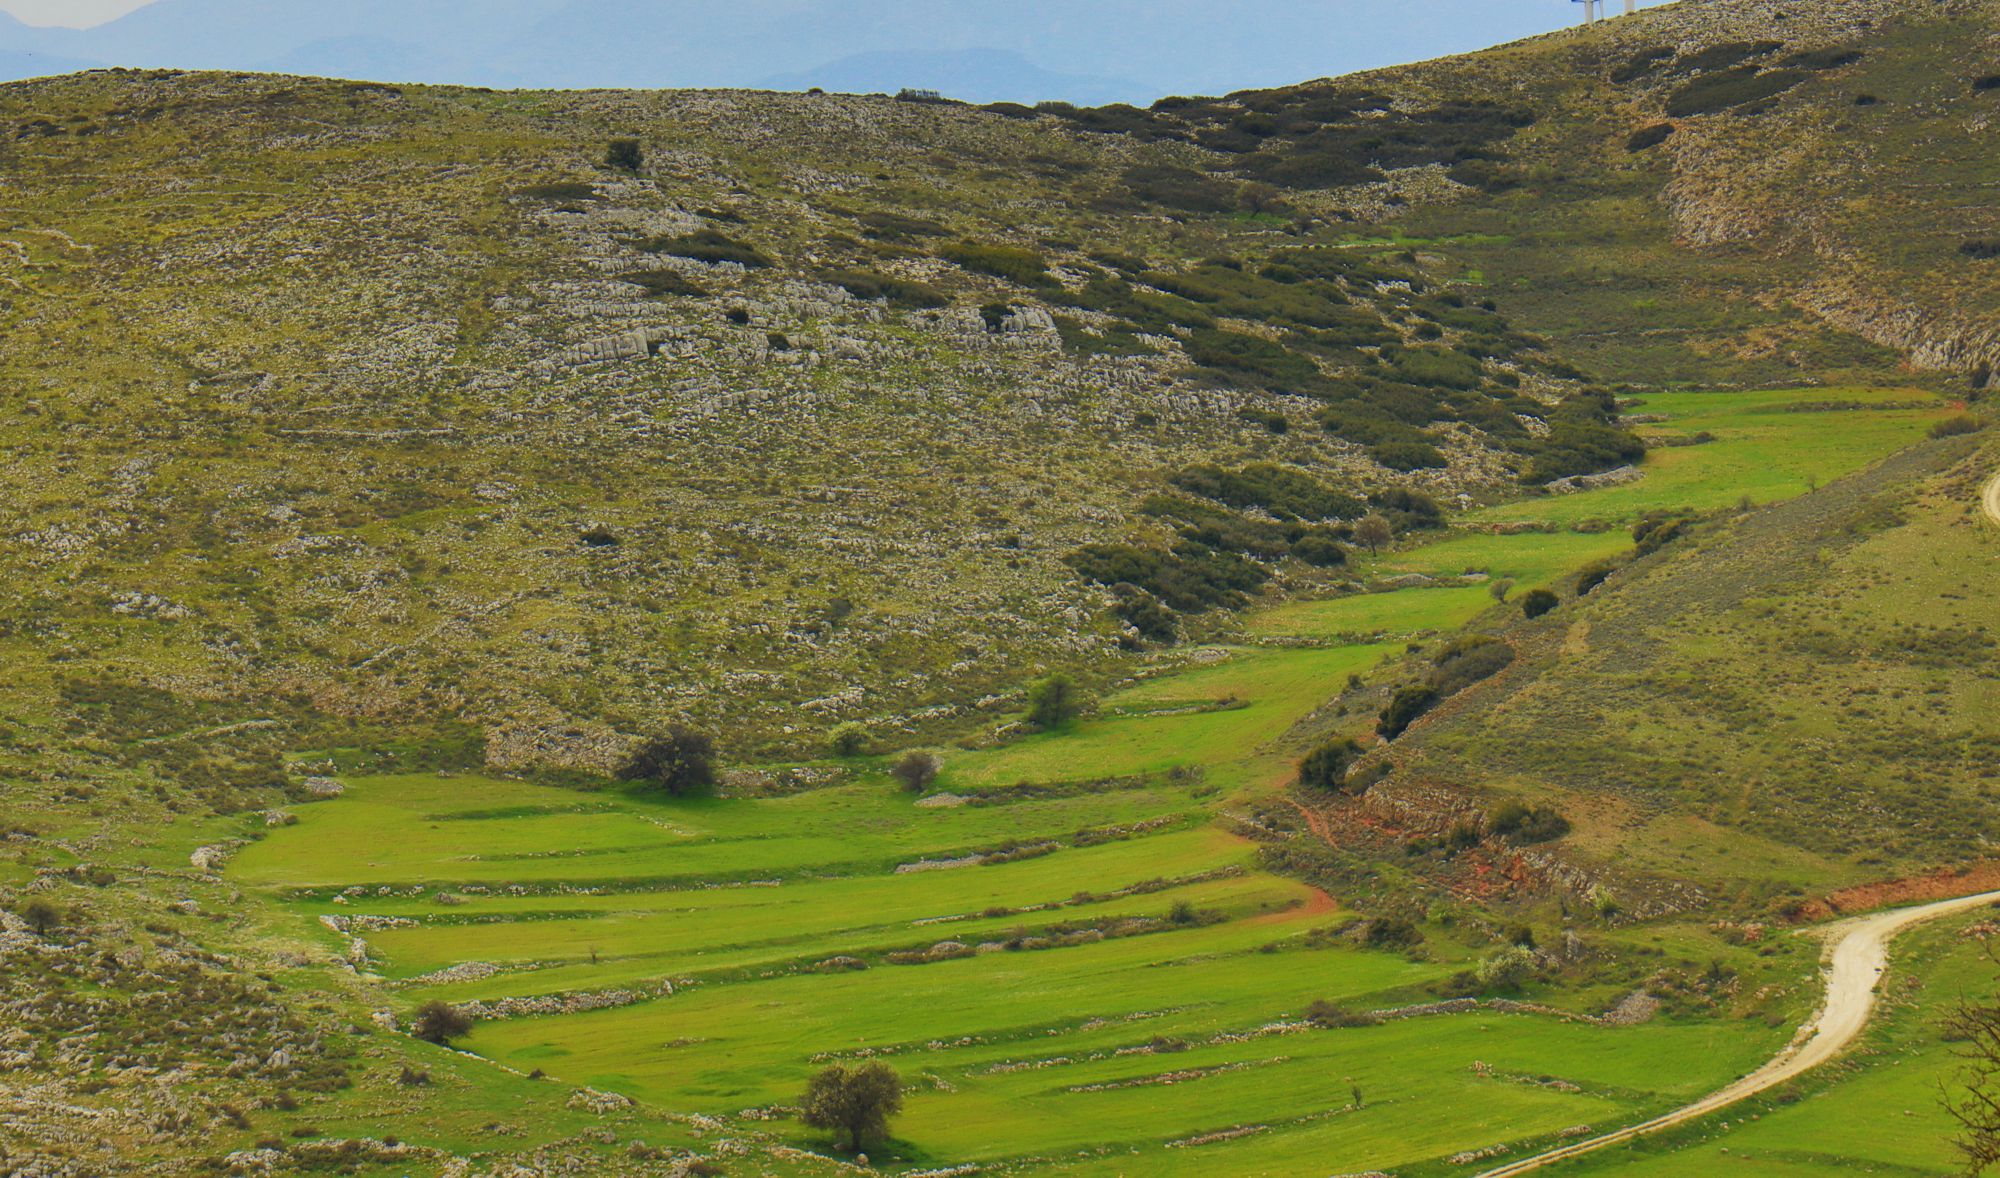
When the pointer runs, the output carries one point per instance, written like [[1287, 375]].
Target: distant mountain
[[1132, 50]]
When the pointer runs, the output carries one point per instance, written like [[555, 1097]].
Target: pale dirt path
[[1990, 500], [1858, 952]]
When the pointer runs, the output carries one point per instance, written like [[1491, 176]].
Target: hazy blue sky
[[1086, 51], [75, 14]]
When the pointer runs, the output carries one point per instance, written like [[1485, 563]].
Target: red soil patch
[[1938, 885]]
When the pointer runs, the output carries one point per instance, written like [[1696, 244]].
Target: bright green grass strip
[[1761, 453], [1276, 687], [381, 834]]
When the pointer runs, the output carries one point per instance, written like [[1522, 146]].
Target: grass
[[1045, 1054]]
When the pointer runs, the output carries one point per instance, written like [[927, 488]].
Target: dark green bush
[[1983, 250], [1724, 55], [1593, 575], [1711, 93], [1189, 578], [1405, 708], [1270, 419], [625, 155], [1283, 491], [1325, 767], [707, 245], [1020, 266], [874, 287], [1320, 551], [1536, 602], [1468, 661], [1408, 455], [663, 283], [1179, 188], [1822, 59], [1646, 137], [1519, 823], [561, 190], [887, 226]]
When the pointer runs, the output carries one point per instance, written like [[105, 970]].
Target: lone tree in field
[[439, 1022], [1054, 702], [857, 1102], [1374, 531], [40, 916], [624, 155], [916, 770], [679, 762]]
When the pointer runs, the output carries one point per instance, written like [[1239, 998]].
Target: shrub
[[1182, 912], [1319, 551], [1981, 250], [886, 226], [1269, 419], [1330, 1016], [1281, 490], [662, 283], [707, 245], [1646, 137], [1326, 766], [679, 762], [1985, 83], [1507, 969], [873, 287], [1719, 91], [1179, 188], [1020, 266], [561, 190], [1404, 709], [1374, 531], [1655, 532], [624, 155], [916, 770], [1054, 702], [1593, 575], [1391, 932], [847, 738], [1950, 427], [857, 1102], [1406, 456], [1468, 661], [1144, 613], [1520, 823], [1536, 602], [439, 1022], [1189, 578]]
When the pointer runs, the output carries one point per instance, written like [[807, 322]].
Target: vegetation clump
[[1325, 767], [1055, 701], [857, 1102], [1536, 602], [439, 1022], [678, 762], [707, 245]]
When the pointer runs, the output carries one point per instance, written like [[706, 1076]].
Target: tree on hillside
[[1054, 702], [439, 1022], [41, 916], [916, 770], [1374, 531], [1536, 602], [857, 1102], [680, 762]]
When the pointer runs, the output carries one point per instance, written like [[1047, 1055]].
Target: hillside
[[385, 462]]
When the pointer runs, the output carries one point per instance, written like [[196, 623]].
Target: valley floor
[[1071, 949]]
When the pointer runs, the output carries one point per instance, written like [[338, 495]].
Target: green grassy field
[[1077, 965]]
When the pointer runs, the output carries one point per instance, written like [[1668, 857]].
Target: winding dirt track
[[1990, 499], [1858, 952]]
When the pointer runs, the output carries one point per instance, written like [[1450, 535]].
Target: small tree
[[916, 770], [1536, 602], [1374, 531], [1507, 969], [1405, 707], [857, 1102], [624, 155], [439, 1022], [1054, 702], [1326, 766], [1501, 588], [1975, 1105], [679, 762], [41, 916], [848, 738]]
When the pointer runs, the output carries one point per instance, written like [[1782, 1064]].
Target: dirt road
[[1990, 500], [1857, 953]]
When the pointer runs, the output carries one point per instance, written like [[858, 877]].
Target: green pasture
[[1174, 1050], [1762, 451]]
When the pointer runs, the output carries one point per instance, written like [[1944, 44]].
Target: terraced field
[[1068, 948]]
